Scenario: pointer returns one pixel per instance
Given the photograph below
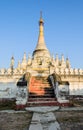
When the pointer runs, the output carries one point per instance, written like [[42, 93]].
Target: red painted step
[[41, 93], [43, 103]]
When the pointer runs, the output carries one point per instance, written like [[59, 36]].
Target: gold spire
[[41, 49], [41, 42]]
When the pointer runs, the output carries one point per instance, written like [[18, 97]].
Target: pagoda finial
[[41, 21], [40, 14], [41, 42]]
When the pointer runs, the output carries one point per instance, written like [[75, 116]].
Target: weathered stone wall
[[8, 90]]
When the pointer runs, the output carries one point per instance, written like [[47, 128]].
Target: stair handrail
[[28, 78]]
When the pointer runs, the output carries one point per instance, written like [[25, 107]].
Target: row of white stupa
[[62, 66]]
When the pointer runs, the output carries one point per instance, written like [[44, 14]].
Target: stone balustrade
[[70, 71]]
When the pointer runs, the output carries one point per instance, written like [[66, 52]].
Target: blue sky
[[63, 29]]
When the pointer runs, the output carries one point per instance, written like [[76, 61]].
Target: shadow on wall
[[24, 79]]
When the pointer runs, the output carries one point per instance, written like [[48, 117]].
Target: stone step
[[43, 103], [41, 93], [45, 94], [40, 85], [37, 77], [44, 81], [41, 99], [36, 84], [39, 81], [45, 90], [41, 96], [40, 89]]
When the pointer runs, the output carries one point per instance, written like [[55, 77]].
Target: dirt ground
[[15, 121], [70, 120]]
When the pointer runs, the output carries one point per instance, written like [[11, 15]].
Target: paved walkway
[[43, 118], [44, 121]]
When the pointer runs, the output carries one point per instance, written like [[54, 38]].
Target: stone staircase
[[41, 93]]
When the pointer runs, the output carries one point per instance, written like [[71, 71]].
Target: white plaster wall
[[63, 88], [76, 88], [8, 90]]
